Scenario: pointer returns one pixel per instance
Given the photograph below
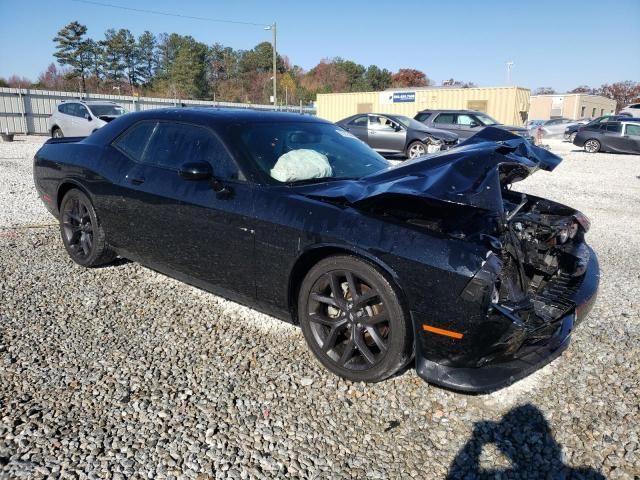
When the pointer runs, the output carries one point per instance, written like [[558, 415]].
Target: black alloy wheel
[[352, 320], [57, 133], [82, 235]]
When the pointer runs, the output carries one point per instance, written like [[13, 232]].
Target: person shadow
[[524, 437]]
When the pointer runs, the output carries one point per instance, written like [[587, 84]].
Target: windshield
[[297, 152], [409, 122], [107, 110], [486, 119]]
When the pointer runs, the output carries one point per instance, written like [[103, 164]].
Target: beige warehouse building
[[508, 105], [570, 105]]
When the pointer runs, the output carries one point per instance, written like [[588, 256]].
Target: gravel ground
[[122, 372]]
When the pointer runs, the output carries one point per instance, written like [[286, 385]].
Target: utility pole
[[509, 65], [272, 27]]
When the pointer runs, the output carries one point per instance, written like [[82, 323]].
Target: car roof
[[450, 110], [223, 115], [89, 102]]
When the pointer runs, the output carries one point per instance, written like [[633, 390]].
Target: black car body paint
[[437, 227]]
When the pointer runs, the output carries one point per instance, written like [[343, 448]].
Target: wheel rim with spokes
[[349, 320], [592, 146], [416, 150], [77, 228]]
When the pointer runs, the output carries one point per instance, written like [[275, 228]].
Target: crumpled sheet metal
[[472, 174]]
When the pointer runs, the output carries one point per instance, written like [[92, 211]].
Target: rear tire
[[352, 320], [81, 232], [592, 146], [57, 133]]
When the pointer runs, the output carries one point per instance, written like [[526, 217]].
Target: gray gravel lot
[[122, 372]]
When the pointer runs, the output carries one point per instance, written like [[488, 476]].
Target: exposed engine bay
[[543, 257]]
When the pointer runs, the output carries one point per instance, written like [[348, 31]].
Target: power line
[[169, 14]]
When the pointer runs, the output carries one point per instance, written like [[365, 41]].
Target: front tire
[[572, 137], [352, 320], [592, 146], [416, 149], [57, 133], [81, 232]]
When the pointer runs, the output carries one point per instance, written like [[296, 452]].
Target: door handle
[[136, 180]]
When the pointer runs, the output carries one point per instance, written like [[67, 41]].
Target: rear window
[[134, 141], [422, 116]]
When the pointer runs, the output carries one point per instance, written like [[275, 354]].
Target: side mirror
[[196, 171], [87, 117]]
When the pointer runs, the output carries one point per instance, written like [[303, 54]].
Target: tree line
[[179, 66]]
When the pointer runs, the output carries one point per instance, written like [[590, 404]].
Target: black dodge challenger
[[435, 259]]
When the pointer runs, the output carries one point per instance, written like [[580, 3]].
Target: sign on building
[[397, 97]]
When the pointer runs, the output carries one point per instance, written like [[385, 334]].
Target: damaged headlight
[[583, 220]]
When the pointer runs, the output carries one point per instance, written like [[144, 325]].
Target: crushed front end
[[539, 280]]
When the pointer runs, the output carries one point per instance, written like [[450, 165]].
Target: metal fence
[[23, 110]]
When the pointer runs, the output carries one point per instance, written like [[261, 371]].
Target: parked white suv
[[80, 118], [632, 110]]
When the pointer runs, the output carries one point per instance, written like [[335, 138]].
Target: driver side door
[[467, 125], [183, 225], [385, 135], [82, 123]]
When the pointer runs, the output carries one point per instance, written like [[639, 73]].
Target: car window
[[422, 116], [173, 144], [63, 108], [632, 130], [445, 118], [71, 109], [377, 122], [486, 120], [360, 121], [614, 127], [81, 111], [463, 119], [134, 140]]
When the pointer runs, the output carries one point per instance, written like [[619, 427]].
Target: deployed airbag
[[301, 164]]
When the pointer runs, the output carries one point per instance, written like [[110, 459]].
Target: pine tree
[[73, 50]]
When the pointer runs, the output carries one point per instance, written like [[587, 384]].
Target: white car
[[80, 118], [551, 128], [632, 110]]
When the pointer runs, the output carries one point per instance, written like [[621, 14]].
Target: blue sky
[[560, 44]]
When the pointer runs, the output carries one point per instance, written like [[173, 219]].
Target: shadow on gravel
[[524, 437]]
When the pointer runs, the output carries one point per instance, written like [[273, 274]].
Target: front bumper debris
[[526, 359]]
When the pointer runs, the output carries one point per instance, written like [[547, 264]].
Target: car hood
[[472, 174], [108, 118], [438, 134], [511, 128]]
